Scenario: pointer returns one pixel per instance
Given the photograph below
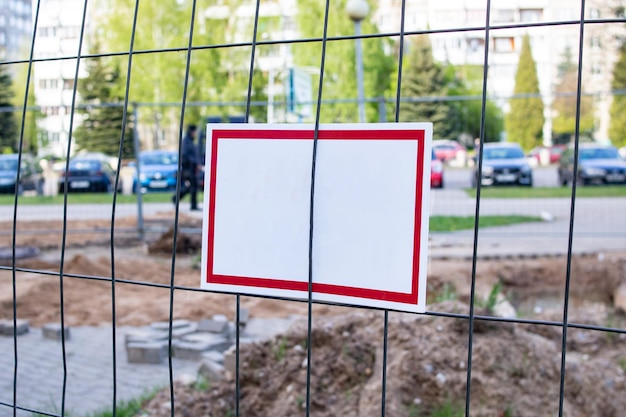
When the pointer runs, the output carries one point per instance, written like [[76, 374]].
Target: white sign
[[370, 221]]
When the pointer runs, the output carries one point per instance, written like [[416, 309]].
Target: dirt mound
[[185, 243], [515, 373]]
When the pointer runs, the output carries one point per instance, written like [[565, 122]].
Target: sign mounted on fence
[[370, 218]]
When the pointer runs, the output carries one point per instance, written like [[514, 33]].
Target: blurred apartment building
[[507, 20], [15, 29], [60, 23], [58, 35]]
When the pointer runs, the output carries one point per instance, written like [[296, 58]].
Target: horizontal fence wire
[[172, 287]]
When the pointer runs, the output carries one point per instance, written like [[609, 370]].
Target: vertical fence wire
[[383, 394], [65, 197], [15, 203], [177, 209], [238, 298], [318, 113], [570, 238], [470, 342], [114, 204]]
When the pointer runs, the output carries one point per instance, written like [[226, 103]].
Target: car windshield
[[503, 153], [85, 165], [159, 159], [8, 165], [599, 153]]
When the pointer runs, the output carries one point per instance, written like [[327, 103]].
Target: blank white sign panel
[[370, 219]]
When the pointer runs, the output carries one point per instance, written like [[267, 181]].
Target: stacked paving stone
[[206, 340]]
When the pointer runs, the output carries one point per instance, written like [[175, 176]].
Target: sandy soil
[[426, 362]]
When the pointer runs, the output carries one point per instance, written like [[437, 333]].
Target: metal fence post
[[140, 225], [382, 110]]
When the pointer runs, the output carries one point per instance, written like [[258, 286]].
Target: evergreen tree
[[424, 78], [524, 123], [101, 128], [617, 129], [8, 127], [564, 105]]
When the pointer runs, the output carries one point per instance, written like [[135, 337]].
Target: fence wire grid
[[470, 318]]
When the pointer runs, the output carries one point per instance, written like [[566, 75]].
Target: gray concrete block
[[244, 316], [212, 371], [53, 331], [194, 350], [230, 360], [217, 324], [182, 331], [165, 325], [145, 336], [213, 356], [6, 327], [151, 352]]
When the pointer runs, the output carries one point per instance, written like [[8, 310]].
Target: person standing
[[190, 166]]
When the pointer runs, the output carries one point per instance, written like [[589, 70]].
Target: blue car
[[30, 174], [88, 173], [157, 171]]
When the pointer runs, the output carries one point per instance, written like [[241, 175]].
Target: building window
[[530, 15], [594, 13], [475, 45], [504, 16], [595, 43], [48, 84], [504, 44], [596, 69], [68, 84]]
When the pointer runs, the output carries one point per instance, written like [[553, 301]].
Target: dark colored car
[[30, 174], [88, 173], [597, 164], [504, 163], [436, 172], [157, 171]]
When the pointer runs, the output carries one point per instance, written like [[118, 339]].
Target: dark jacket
[[191, 160]]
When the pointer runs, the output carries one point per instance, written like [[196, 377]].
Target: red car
[[436, 172], [446, 150]]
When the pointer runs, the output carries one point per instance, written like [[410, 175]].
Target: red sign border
[[330, 134]]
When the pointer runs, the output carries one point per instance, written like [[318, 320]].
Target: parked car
[[88, 173], [503, 163], [436, 172], [553, 154], [158, 171], [597, 164], [446, 150], [30, 174]]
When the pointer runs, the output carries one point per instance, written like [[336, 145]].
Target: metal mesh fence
[[584, 222]]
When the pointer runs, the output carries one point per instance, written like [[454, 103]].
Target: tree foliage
[[564, 105], [8, 126], [423, 78], [101, 128], [524, 123], [617, 129], [340, 61], [33, 115], [466, 114]]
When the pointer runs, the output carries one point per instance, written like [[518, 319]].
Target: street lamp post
[[357, 10]]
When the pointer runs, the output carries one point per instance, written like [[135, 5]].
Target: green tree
[[33, 114], [8, 127], [466, 114], [564, 105], [423, 78], [524, 123], [101, 128], [340, 63], [617, 128]]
